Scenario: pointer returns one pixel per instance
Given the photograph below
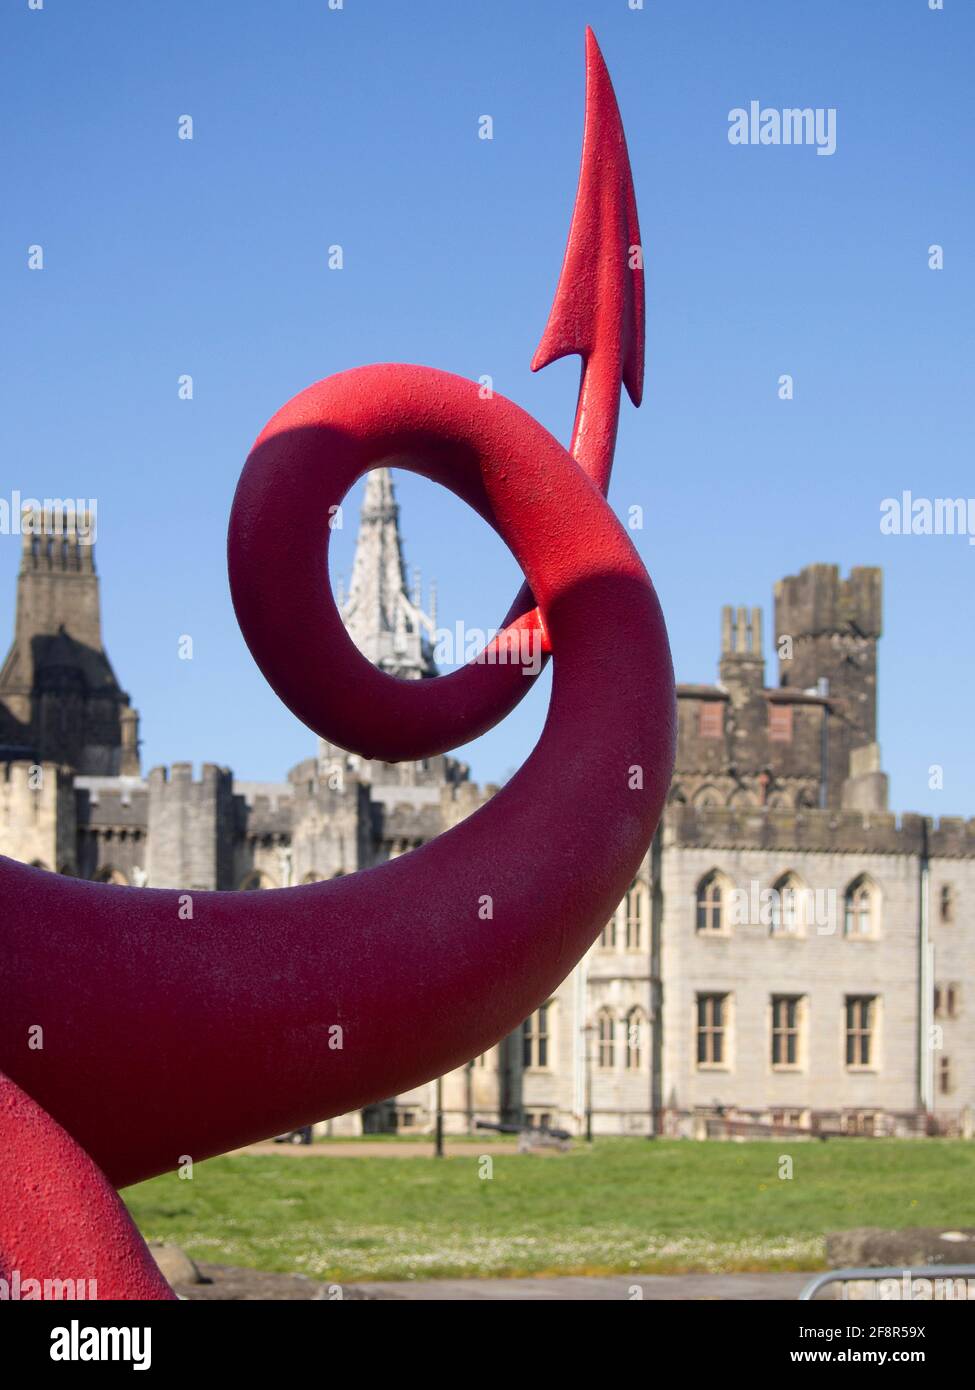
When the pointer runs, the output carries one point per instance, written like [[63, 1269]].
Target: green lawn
[[625, 1205]]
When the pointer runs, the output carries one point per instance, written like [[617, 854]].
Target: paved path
[[224, 1282], [666, 1287], [355, 1148]]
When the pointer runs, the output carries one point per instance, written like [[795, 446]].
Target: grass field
[[625, 1205]]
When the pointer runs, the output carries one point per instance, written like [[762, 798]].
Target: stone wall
[[749, 963], [190, 825], [37, 815], [113, 819], [952, 935]]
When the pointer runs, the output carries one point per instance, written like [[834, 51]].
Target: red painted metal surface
[[62, 1219], [166, 1036]]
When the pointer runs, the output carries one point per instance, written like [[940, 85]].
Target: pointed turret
[[385, 622]]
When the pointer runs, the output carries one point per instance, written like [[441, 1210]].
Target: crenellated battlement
[[817, 602], [180, 775], [812, 830], [24, 775], [126, 806], [408, 822], [58, 539], [260, 815]]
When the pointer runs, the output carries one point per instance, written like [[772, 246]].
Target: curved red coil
[[169, 1036]]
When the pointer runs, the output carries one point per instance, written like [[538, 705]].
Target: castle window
[[780, 723], [947, 1000], [861, 1027], [784, 1118], [945, 1080], [636, 901], [947, 903], [710, 914], [710, 718], [535, 1037], [861, 914], [636, 1022], [787, 1018], [606, 1049], [788, 907], [607, 940], [711, 1028], [866, 1124]]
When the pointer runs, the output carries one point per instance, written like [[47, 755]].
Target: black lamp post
[[438, 1139], [587, 1033]]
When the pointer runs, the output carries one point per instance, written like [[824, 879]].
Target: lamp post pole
[[438, 1141]]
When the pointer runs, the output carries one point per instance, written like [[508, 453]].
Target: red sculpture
[[167, 1038]]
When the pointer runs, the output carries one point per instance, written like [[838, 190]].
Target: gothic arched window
[[861, 917], [707, 796], [536, 1037], [710, 904], [636, 1025], [636, 915], [788, 917], [606, 1035]]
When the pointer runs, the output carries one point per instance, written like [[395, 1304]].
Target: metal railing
[[905, 1280]]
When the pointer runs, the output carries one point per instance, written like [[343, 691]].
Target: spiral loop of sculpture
[[168, 1038]]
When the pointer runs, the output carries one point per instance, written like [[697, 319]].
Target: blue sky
[[359, 127]]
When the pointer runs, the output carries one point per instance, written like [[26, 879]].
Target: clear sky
[[358, 127]]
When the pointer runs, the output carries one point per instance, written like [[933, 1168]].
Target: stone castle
[[791, 955]]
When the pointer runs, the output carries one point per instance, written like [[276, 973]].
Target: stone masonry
[[791, 954]]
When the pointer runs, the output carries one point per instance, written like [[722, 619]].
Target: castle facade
[[791, 955]]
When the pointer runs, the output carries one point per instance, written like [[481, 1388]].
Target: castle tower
[[59, 698], [826, 633], [190, 827], [384, 619], [742, 667]]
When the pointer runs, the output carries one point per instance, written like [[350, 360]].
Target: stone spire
[[384, 620]]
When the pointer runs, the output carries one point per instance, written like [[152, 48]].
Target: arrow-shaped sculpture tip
[[599, 302]]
